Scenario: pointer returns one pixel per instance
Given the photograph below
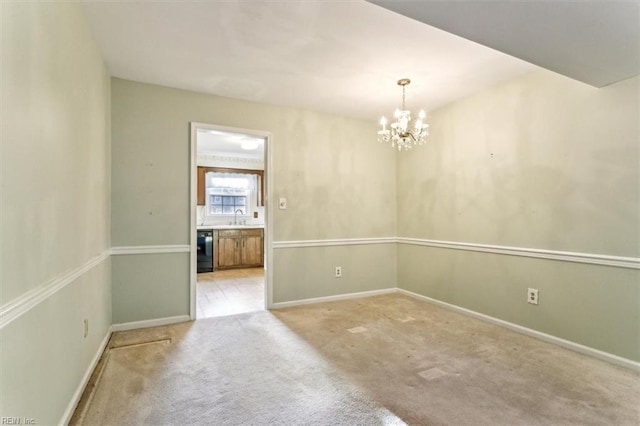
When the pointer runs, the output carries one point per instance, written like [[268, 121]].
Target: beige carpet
[[378, 361]]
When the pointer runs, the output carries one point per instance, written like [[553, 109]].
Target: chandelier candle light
[[400, 132]]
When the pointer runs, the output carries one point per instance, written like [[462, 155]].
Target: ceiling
[[214, 142], [596, 42], [339, 57]]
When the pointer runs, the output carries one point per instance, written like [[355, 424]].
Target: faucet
[[235, 216]]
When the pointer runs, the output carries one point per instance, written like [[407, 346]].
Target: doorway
[[230, 220]]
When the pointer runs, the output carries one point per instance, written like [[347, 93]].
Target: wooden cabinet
[[238, 248], [229, 254], [202, 171], [252, 250]]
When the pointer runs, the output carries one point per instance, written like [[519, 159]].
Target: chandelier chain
[[403, 108]]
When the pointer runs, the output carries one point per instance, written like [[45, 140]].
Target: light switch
[[283, 204]]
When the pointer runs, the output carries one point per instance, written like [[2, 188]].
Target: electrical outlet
[[282, 204], [338, 271], [532, 296], [86, 327]]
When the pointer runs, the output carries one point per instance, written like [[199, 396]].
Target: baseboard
[[280, 305], [150, 323], [68, 413], [567, 344]]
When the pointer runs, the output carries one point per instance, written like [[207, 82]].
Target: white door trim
[[268, 166]]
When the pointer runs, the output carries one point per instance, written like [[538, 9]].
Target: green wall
[[339, 183], [541, 162], [55, 177], [364, 268], [165, 275]]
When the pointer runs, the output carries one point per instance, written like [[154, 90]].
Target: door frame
[[268, 220]]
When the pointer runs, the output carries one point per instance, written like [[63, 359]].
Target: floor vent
[[166, 341], [432, 373]]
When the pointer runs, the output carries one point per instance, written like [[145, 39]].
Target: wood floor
[[229, 292]]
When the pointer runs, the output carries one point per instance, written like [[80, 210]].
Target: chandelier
[[400, 133]]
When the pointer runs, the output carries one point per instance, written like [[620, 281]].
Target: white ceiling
[[341, 57], [344, 57], [213, 142]]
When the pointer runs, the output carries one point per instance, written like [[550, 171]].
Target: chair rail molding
[[172, 248], [590, 258], [25, 302], [333, 242], [578, 257]]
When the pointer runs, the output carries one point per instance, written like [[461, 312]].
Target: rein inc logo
[[17, 421]]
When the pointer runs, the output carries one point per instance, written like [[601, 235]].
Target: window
[[205, 181], [229, 194], [227, 204]]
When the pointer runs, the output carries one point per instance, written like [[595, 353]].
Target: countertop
[[203, 227]]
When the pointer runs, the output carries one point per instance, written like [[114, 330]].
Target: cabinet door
[[252, 250], [228, 252], [201, 186]]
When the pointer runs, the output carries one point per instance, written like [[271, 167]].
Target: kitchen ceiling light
[[400, 132], [249, 144]]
